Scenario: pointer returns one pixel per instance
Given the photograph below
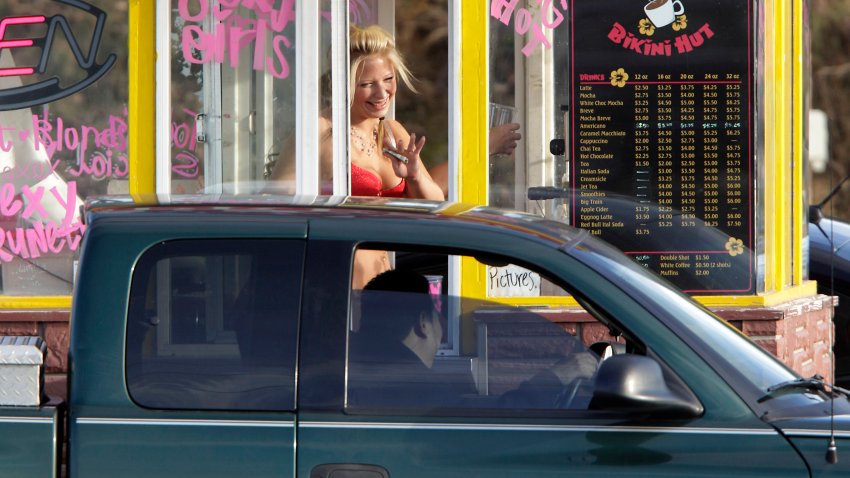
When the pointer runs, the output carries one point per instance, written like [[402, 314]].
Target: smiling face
[[374, 89]]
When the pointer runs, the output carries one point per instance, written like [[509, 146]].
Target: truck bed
[[33, 441]]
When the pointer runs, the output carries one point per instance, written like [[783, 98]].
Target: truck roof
[[176, 206]]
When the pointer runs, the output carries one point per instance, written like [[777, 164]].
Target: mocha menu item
[[661, 132]]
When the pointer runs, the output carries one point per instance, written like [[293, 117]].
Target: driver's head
[[397, 306]]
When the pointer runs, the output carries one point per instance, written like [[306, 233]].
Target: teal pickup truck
[[235, 337]]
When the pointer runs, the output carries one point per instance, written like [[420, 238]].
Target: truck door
[[514, 401], [210, 366]]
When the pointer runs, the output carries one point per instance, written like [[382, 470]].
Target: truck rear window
[[213, 325]]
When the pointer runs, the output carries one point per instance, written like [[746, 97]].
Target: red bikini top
[[367, 183]]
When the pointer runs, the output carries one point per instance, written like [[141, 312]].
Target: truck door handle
[[349, 470]]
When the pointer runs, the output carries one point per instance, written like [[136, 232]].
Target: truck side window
[[212, 325], [510, 358]]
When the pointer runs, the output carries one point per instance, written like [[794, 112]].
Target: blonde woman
[[385, 158], [376, 67]]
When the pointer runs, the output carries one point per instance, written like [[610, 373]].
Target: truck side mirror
[[635, 384]]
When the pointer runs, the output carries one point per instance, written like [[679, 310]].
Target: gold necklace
[[362, 143]]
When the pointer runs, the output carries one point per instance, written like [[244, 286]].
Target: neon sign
[[48, 90]]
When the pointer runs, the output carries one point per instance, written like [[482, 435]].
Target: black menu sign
[[662, 136]]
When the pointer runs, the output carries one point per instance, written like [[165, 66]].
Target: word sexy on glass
[[38, 238]]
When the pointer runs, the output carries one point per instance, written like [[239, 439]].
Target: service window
[[232, 91], [528, 64], [212, 325], [246, 78], [507, 357]]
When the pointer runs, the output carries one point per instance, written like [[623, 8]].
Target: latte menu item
[[661, 126]]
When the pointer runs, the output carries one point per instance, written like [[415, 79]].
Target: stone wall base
[[798, 332]]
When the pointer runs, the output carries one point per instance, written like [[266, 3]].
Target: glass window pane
[[509, 358], [63, 133], [503, 114], [399, 95], [528, 67], [232, 92], [213, 325], [422, 36]]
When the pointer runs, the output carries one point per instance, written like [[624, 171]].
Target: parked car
[[829, 265], [224, 338]]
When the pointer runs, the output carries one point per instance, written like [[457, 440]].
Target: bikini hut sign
[[662, 125]]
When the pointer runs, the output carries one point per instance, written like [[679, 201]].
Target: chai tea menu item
[[662, 136]]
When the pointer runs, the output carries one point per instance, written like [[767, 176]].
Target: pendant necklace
[[362, 143]]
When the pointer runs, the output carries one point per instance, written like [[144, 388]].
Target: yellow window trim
[[800, 214], [142, 105], [36, 302], [472, 171], [772, 175], [770, 299], [783, 147], [473, 102], [807, 289]]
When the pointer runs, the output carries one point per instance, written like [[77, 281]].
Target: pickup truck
[[221, 338]]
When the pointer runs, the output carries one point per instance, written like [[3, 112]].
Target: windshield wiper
[[814, 383]]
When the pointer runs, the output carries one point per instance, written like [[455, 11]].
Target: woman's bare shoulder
[[325, 121], [325, 127], [397, 128]]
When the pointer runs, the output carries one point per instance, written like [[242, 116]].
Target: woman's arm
[[284, 169], [420, 185]]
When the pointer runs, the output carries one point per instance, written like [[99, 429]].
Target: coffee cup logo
[[663, 12]]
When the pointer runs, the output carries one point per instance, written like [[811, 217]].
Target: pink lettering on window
[[235, 34], [548, 17], [17, 43], [39, 237]]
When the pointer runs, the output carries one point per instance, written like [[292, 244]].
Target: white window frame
[[307, 77]]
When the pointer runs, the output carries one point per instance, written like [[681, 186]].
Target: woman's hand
[[419, 182], [410, 169], [503, 138]]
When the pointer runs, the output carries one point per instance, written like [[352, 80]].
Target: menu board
[[661, 133]]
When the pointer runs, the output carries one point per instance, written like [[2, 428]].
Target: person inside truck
[[393, 354]]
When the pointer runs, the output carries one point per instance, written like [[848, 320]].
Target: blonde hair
[[375, 41]]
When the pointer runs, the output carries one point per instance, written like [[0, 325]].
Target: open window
[[528, 64], [412, 344], [256, 89]]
